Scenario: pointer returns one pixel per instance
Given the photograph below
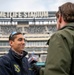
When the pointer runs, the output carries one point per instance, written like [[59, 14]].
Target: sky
[[31, 5]]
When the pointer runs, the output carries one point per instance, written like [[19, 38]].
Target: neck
[[17, 52], [63, 24]]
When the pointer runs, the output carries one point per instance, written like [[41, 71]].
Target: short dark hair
[[57, 14], [67, 11], [13, 35]]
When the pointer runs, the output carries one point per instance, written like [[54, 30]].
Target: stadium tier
[[37, 28]]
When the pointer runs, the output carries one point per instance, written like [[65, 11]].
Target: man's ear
[[60, 18], [10, 42]]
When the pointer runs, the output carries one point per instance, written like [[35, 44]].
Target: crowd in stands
[[7, 29], [31, 29], [39, 29]]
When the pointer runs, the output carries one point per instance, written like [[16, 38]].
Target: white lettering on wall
[[24, 14]]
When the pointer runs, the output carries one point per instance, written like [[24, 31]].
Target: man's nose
[[23, 41]]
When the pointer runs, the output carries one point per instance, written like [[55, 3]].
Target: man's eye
[[20, 39]]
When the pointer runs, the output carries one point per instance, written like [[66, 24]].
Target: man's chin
[[22, 49]]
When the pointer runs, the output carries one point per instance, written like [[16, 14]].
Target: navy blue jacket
[[13, 64]]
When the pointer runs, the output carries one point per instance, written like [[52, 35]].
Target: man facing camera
[[15, 62]]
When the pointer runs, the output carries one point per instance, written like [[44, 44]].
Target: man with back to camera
[[15, 62], [60, 57]]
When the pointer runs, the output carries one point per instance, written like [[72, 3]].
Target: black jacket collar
[[16, 55]]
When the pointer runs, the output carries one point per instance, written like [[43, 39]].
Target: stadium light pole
[[11, 20], [34, 20]]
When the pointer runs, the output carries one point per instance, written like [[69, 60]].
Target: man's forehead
[[20, 36]]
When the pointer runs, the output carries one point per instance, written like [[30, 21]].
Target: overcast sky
[[31, 5]]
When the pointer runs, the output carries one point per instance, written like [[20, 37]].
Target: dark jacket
[[13, 64], [60, 57]]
